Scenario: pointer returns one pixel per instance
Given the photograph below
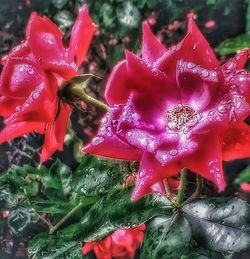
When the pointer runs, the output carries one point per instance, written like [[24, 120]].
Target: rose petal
[[55, 133], [150, 172], [235, 142], [152, 49], [81, 36]]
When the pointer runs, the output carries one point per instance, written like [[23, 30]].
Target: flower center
[[181, 117]]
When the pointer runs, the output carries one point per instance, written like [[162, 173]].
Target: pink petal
[[117, 90], [81, 36], [151, 172], [207, 161], [108, 144], [55, 133], [152, 49]]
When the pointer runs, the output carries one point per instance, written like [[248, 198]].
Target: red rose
[[175, 108], [32, 75], [121, 244]]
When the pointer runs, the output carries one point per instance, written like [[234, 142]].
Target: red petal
[[87, 247], [55, 133], [20, 77], [117, 91], [8, 105], [45, 41], [235, 142], [151, 171], [11, 131], [152, 49], [81, 36], [207, 162]]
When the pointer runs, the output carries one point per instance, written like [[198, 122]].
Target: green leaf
[[57, 181], [231, 46], [244, 176], [19, 220], [45, 246], [7, 200], [64, 19], [218, 224], [118, 211], [107, 13], [96, 176], [128, 15], [166, 235], [59, 3]]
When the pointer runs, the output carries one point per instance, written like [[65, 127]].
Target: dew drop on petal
[[173, 152], [97, 140]]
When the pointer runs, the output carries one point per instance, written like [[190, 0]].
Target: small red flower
[[32, 75], [175, 108], [121, 244]]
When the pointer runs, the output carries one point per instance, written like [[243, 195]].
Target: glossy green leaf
[[166, 235], [64, 19], [219, 224], [231, 46], [7, 200], [117, 211], [244, 176], [96, 176]]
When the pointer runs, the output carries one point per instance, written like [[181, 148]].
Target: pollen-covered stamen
[[181, 116]]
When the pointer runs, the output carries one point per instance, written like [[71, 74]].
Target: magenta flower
[[175, 108]]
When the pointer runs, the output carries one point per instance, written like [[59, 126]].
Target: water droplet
[[35, 95], [97, 140], [173, 152], [204, 73], [190, 65], [195, 46], [222, 108], [129, 134]]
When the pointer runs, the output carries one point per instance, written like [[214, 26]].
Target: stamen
[[180, 116]]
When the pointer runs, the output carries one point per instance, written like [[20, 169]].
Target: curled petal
[[55, 133], [108, 144], [235, 142], [81, 35], [207, 161], [152, 49], [151, 172]]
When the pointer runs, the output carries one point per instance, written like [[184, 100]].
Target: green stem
[[81, 204], [80, 92], [199, 186], [182, 188], [167, 188]]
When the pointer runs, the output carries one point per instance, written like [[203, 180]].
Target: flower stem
[[81, 204], [80, 92], [167, 188], [199, 186], [182, 188]]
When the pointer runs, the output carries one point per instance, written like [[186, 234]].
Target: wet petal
[[207, 161], [19, 77], [235, 142], [151, 172], [152, 49], [81, 36], [108, 144], [55, 133]]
